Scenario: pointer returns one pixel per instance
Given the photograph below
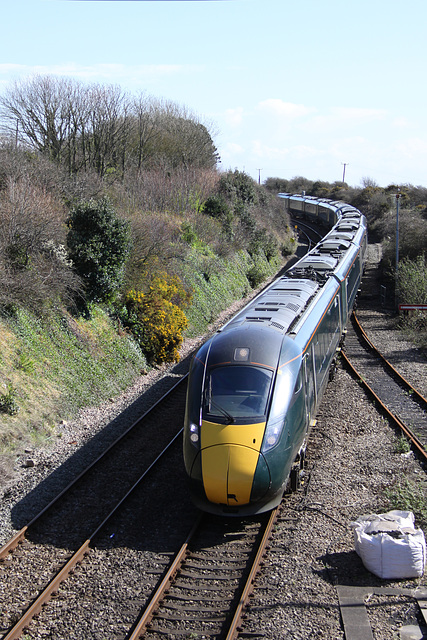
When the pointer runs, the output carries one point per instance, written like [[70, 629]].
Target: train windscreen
[[237, 392]]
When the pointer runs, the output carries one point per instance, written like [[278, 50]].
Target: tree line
[[103, 128]]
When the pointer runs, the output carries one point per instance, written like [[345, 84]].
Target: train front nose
[[230, 461], [228, 473]]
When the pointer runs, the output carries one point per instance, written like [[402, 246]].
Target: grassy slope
[[56, 366]]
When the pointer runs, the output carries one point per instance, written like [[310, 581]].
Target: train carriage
[[255, 386]]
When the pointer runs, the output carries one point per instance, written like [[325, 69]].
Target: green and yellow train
[[255, 386]]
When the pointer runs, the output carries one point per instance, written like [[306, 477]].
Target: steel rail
[[303, 227], [233, 629], [388, 364], [44, 597], [143, 623], [412, 437], [20, 535], [149, 612], [11, 544]]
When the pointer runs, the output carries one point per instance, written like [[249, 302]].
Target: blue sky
[[290, 87]]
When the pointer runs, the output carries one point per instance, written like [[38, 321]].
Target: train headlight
[[272, 434], [194, 434]]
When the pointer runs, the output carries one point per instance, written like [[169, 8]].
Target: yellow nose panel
[[229, 459]]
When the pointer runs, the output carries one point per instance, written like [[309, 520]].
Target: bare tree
[[102, 128], [33, 262], [106, 139], [37, 113], [145, 116]]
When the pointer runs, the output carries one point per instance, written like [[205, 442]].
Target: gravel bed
[[352, 459]]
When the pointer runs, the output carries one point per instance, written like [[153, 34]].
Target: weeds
[[8, 402], [26, 364], [402, 445], [408, 496]]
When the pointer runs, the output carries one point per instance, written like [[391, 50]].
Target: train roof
[[244, 344], [316, 262], [278, 306], [331, 245]]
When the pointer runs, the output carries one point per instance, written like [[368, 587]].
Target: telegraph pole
[[343, 173], [259, 175], [398, 194]]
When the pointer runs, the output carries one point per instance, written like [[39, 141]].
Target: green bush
[[263, 242], [412, 284], [8, 402], [412, 289], [289, 247], [99, 245], [238, 186], [217, 207], [259, 271]]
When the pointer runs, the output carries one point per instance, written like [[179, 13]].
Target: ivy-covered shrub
[[99, 245], [412, 289], [156, 317]]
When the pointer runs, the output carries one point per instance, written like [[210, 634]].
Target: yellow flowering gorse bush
[[157, 319]]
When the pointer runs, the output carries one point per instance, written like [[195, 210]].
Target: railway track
[[309, 232], [208, 580], [206, 588], [46, 551], [394, 394]]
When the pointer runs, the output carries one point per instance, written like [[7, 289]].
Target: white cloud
[[357, 114], [234, 117], [287, 110], [234, 147], [232, 153], [303, 152], [261, 149], [401, 122], [339, 119], [412, 148]]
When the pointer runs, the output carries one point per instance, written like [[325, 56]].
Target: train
[[255, 386]]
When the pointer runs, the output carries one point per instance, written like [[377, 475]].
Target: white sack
[[389, 545]]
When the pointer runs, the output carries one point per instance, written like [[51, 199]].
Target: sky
[[325, 89]]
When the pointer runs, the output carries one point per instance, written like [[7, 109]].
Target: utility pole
[[259, 175], [398, 194], [343, 173]]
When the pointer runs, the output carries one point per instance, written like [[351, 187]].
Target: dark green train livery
[[255, 386]]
